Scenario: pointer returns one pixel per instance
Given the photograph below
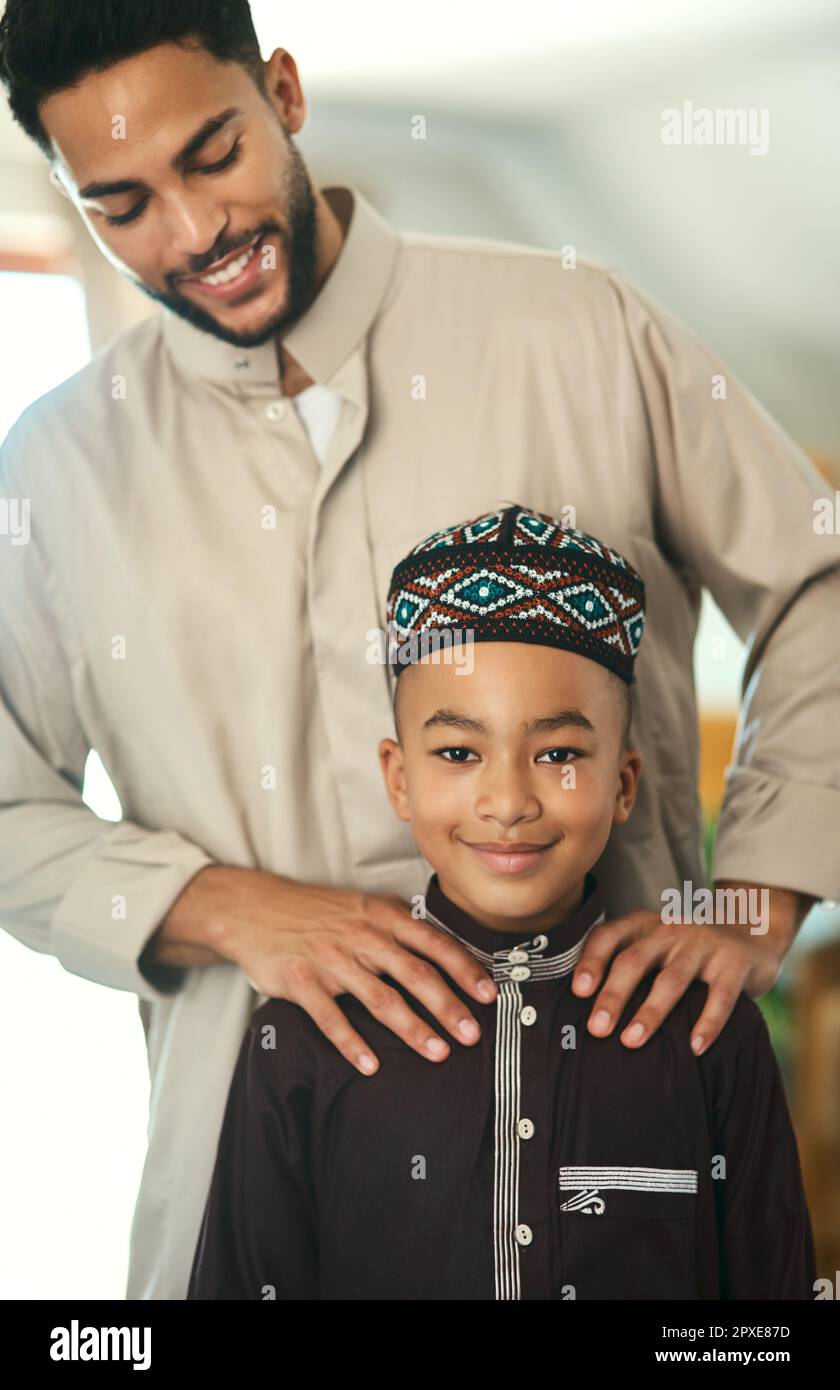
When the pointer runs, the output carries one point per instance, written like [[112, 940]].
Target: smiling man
[[253, 281], [217, 501]]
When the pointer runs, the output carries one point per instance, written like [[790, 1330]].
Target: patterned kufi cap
[[516, 575]]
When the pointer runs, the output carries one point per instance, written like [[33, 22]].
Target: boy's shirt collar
[[506, 955]]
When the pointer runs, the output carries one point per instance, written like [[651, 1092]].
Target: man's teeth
[[231, 271]]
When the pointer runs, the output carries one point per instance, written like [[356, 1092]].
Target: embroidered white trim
[[506, 1161], [587, 1202], [542, 967], [625, 1178], [508, 1099]]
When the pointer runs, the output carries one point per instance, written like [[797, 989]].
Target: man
[[206, 564]]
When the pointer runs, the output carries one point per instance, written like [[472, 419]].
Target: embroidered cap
[[516, 575]]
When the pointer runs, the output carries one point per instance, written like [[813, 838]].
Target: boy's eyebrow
[[562, 717], [205, 132]]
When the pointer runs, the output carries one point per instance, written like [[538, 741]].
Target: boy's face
[[511, 777]]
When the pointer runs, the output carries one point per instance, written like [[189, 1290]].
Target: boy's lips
[[509, 856]]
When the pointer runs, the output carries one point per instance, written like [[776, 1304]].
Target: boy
[[544, 1162]]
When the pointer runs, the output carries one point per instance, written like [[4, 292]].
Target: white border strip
[[629, 1179]]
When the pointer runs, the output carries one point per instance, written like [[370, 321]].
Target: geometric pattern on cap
[[519, 575]]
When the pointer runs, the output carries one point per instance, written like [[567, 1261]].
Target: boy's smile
[[511, 856], [511, 777]]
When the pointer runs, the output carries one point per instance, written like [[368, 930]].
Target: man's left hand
[[727, 958]]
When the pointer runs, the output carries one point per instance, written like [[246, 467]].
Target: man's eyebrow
[[205, 132], [560, 719]]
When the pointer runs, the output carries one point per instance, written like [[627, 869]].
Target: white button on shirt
[[317, 409]]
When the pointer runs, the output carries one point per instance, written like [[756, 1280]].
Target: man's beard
[[299, 247]]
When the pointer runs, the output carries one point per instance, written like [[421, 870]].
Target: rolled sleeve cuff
[[117, 902], [778, 834]]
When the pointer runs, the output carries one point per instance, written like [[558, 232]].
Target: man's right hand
[[307, 943]]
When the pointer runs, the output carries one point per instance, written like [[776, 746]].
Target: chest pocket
[[628, 1232]]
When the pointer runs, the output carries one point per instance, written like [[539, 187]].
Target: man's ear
[[284, 90], [393, 774], [629, 772]]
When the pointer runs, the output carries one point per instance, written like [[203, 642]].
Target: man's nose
[[195, 227]]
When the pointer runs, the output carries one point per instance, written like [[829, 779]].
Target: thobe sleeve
[[258, 1236], [734, 499], [764, 1227], [88, 891]]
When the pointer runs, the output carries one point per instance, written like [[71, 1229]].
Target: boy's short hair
[[620, 688]]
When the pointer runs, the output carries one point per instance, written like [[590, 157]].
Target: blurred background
[[542, 126]]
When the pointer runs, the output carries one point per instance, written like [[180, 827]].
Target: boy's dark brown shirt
[[540, 1163]]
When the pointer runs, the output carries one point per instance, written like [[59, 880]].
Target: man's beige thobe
[[196, 598]]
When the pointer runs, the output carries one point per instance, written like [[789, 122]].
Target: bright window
[[73, 1073]]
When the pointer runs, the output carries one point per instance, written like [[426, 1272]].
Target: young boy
[[543, 1162]]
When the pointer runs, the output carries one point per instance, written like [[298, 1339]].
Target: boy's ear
[[629, 772], [393, 775]]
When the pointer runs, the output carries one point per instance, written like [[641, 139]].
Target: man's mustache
[[239, 246]]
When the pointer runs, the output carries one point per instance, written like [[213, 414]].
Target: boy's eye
[[459, 754], [230, 158], [565, 752]]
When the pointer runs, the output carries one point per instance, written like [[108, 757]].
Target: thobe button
[[520, 972], [518, 957], [524, 1234], [276, 410], [242, 364], [528, 1015], [525, 1128]]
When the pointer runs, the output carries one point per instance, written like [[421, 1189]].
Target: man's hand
[[727, 958], [308, 944]]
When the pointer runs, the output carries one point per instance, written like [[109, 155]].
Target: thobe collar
[[551, 953], [331, 330]]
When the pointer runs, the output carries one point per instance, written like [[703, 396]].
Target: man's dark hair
[[47, 46]]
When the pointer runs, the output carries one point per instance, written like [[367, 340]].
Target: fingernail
[[697, 1043], [468, 1029], [487, 989], [584, 981], [633, 1034], [436, 1046], [367, 1063], [601, 1021]]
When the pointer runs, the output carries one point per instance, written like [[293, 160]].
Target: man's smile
[[230, 276]]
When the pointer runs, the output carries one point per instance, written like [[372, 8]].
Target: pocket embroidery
[[588, 1183]]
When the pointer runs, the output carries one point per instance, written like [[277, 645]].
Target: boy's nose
[[507, 798]]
